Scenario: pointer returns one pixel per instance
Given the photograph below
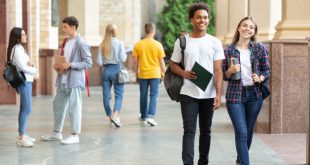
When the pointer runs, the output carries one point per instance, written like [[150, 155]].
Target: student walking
[[243, 94], [150, 55], [206, 50], [111, 55]]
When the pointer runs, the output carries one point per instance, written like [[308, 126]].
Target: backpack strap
[[12, 55], [63, 46], [182, 46]]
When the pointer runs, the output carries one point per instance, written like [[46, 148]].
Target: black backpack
[[173, 83], [11, 74]]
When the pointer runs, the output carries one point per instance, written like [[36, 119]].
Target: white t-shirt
[[67, 53], [205, 51], [246, 70]]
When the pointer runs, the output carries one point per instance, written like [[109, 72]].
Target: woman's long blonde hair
[[110, 32]]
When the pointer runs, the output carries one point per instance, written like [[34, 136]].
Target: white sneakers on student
[[31, 139], [23, 142], [52, 136], [116, 121], [143, 122], [151, 122], [72, 139]]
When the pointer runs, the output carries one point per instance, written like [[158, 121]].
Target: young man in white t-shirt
[[207, 51]]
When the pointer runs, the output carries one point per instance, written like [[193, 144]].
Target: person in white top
[[21, 59], [244, 96], [207, 51]]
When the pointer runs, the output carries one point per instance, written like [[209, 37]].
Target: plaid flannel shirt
[[234, 88]]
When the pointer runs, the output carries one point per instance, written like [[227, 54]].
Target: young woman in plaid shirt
[[243, 95]]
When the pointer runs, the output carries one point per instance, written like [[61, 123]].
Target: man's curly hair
[[197, 6]]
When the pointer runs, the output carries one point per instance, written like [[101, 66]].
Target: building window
[[55, 12]]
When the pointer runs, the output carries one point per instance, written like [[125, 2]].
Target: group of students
[[243, 95]]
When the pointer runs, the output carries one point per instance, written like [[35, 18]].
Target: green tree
[[174, 19]]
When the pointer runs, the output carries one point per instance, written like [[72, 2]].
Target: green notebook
[[203, 76]]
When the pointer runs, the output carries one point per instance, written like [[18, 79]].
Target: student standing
[[21, 59], [70, 82]]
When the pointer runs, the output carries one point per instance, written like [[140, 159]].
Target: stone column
[[289, 86], [266, 20], [34, 38], [7, 95], [308, 121], [132, 21], [237, 9], [88, 15], [295, 23], [221, 20]]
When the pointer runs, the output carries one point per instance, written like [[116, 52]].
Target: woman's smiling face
[[246, 29]]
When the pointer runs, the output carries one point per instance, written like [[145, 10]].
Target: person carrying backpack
[[206, 50], [19, 57]]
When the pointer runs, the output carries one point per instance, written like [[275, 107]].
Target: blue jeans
[[243, 117], [25, 107], [191, 109], [109, 78], [148, 111]]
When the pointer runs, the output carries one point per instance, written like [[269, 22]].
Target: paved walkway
[[133, 144]]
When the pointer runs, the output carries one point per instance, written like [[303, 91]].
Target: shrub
[[174, 19]]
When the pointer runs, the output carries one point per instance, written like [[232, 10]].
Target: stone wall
[[126, 16], [286, 111]]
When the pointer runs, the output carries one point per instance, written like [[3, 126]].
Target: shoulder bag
[[11, 74]]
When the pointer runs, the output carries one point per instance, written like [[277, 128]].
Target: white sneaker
[[143, 122], [151, 122], [52, 136], [111, 123], [72, 139], [116, 121], [31, 139], [23, 143]]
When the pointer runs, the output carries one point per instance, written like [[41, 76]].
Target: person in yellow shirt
[[150, 55]]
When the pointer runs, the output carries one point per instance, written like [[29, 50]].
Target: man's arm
[[176, 69], [136, 60], [162, 67], [218, 80]]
